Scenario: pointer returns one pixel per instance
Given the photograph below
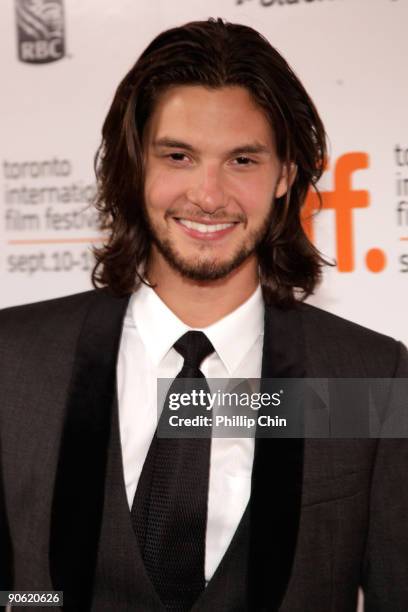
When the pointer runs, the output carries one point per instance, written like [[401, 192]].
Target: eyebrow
[[254, 148]]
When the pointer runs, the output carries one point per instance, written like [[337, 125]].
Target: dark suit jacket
[[325, 516]]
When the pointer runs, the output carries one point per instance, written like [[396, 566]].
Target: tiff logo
[[40, 30], [343, 200]]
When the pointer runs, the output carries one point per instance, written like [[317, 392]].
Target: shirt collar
[[233, 335], [159, 328]]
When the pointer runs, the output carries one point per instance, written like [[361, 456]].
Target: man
[[208, 151]]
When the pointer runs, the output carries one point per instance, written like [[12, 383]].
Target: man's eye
[[244, 161], [177, 156]]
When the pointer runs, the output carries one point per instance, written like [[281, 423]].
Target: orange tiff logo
[[343, 200]]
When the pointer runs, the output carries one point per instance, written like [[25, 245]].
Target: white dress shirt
[[146, 353]]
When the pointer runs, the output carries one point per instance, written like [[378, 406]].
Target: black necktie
[[169, 511]]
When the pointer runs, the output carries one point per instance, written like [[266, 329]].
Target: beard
[[205, 268]]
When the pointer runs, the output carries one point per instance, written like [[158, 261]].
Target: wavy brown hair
[[213, 54]]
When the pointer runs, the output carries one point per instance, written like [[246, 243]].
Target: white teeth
[[202, 227]]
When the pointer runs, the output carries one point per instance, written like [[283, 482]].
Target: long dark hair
[[214, 54]]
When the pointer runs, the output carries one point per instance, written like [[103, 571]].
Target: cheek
[[162, 190], [255, 196]]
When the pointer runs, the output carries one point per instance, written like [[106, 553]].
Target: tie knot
[[194, 346]]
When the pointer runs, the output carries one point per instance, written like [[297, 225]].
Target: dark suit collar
[[277, 472], [80, 479]]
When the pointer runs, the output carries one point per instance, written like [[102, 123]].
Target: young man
[[208, 152]]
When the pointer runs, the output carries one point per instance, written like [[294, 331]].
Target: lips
[[205, 231], [205, 228]]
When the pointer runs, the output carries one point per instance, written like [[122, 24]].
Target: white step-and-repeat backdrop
[[61, 62]]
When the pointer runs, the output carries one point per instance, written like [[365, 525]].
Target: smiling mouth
[[205, 228]]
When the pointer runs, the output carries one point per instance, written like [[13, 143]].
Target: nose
[[207, 190]]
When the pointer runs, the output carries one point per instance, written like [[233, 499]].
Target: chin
[[205, 270]]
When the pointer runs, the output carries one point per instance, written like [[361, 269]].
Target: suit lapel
[[277, 472], [79, 488]]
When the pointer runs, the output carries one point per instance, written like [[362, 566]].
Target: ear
[[287, 176]]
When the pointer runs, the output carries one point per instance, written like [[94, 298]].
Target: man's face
[[212, 175]]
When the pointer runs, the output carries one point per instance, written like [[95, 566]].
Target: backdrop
[[61, 62]]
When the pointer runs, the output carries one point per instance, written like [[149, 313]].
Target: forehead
[[198, 113]]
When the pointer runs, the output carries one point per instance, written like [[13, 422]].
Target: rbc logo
[[342, 200], [40, 30]]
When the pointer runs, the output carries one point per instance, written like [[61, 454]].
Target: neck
[[201, 303]]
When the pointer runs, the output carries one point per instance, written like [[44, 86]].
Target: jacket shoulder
[[334, 324], [356, 350], [33, 313], [46, 322]]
